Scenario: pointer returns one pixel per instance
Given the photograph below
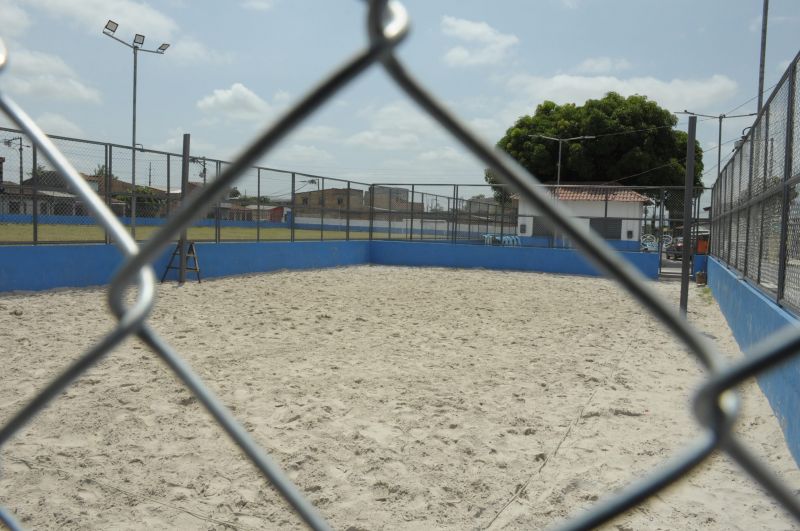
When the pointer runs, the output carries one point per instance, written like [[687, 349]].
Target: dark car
[[675, 249]]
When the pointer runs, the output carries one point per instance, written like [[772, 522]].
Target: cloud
[[488, 46], [258, 5], [673, 94], [189, 50], [447, 154], [92, 15], [755, 22], [299, 154], [13, 19], [41, 74], [316, 133], [602, 65], [383, 140], [394, 126], [783, 65], [236, 103], [133, 17], [56, 124]]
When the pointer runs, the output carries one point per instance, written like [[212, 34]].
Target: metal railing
[[756, 209], [715, 405]]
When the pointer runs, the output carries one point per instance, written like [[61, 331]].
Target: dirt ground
[[396, 398]]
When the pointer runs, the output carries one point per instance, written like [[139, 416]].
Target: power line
[[681, 161]]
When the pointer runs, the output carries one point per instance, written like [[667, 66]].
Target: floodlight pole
[[137, 46], [560, 143], [133, 146]]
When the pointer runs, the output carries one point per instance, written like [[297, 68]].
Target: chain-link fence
[[715, 405], [756, 205], [267, 204]]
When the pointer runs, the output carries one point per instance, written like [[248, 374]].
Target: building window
[[523, 228], [305, 200], [339, 201], [608, 228], [630, 234]]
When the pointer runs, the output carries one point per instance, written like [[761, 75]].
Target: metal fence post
[[347, 212], [184, 186], [258, 204], [411, 223], [660, 234], [169, 182], [321, 210], [371, 208], [455, 213], [787, 173], [389, 213], [217, 209], [469, 220], [294, 210], [106, 185], [502, 220], [35, 195], [687, 215], [749, 208], [765, 117]]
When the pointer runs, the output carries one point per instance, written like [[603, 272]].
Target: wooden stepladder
[[191, 254]]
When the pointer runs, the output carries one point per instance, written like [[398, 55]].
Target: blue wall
[[31, 268], [566, 261], [753, 317], [34, 268]]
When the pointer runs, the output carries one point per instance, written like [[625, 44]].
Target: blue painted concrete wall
[[33, 268], [565, 261], [752, 318]]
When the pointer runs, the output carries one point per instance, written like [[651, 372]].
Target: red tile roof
[[579, 193]]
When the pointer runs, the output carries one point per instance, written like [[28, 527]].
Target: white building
[[616, 213]]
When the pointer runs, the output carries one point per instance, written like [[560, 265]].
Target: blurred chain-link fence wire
[[715, 404]]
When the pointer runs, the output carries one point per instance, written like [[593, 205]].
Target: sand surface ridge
[[395, 398]]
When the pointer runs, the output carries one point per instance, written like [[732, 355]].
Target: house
[[615, 212]]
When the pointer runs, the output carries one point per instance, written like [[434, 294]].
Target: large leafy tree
[[635, 145]]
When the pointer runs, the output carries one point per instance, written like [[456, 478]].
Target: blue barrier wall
[[753, 317], [34, 268], [565, 261]]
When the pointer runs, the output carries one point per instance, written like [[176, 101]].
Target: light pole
[[560, 143], [138, 42], [719, 132]]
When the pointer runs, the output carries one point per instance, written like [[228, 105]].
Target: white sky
[[234, 66]]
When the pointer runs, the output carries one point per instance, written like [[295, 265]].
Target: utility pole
[[719, 117], [560, 143], [764, 17]]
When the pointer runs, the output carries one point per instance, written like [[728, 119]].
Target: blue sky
[[234, 66]]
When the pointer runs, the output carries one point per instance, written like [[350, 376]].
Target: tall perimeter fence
[[715, 405], [267, 204], [756, 199]]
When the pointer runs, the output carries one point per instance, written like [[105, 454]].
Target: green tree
[[636, 144]]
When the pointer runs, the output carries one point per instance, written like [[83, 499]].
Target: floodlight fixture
[[138, 39], [163, 48], [111, 26]]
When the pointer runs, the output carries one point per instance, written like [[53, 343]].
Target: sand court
[[395, 398]]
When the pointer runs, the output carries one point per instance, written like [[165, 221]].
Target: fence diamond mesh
[[714, 405]]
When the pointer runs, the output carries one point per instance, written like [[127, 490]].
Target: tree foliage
[[636, 144]]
